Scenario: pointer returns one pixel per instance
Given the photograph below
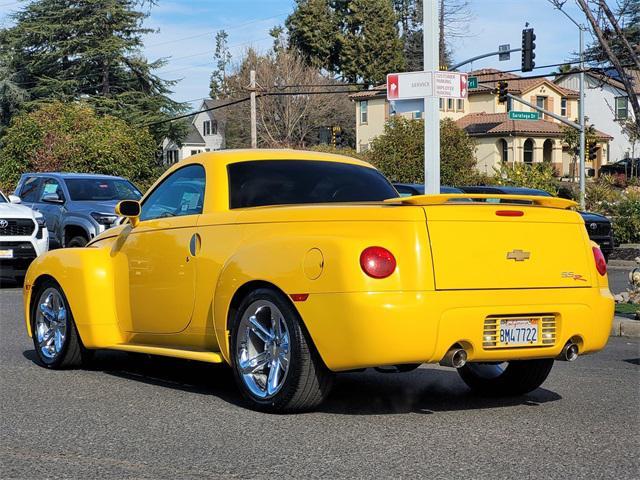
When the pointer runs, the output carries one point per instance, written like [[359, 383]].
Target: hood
[[594, 217], [98, 207], [12, 210]]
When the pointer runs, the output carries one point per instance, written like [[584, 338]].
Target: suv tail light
[[377, 262], [601, 263]]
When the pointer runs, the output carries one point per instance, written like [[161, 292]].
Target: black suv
[[629, 167]]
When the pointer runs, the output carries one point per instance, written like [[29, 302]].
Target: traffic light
[[336, 136], [528, 47], [502, 92], [593, 151]]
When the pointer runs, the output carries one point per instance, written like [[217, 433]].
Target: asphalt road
[[133, 416]]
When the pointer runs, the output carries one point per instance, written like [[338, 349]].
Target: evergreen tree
[[218, 85], [88, 49]]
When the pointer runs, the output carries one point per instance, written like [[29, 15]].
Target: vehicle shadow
[[425, 390]]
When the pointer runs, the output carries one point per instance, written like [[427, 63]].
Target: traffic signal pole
[[431, 104], [581, 115]]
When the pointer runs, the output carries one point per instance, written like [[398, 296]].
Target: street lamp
[[558, 5]]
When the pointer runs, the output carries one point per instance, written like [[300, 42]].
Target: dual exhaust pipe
[[457, 357]]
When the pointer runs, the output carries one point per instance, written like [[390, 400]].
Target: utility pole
[[252, 86], [431, 104]]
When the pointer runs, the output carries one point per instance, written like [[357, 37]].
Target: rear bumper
[[355, 330]]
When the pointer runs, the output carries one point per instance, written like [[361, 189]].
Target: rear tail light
[[377, 262], [601, 263]]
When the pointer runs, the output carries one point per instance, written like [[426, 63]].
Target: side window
[[51, 187], [181, 193], [29, 191]]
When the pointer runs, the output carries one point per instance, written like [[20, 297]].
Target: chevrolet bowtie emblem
[[518, 255]]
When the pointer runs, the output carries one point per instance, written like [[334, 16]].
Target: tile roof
[[497, 124], [516, 83], [378, 91]]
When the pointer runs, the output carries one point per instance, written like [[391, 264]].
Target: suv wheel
[[77, 241]]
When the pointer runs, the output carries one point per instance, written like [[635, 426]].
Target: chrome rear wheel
[[263, 349]]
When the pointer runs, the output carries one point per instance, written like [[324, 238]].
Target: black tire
[[517, 378], [307, 381], [77, 241], [73, 354]]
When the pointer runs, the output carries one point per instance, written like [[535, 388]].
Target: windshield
[[286, 182], [3, 199], [101, 189]]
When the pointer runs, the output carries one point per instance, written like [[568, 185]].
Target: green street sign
[[472, 82], [524, 115]]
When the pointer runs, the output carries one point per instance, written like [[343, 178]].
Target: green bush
[[625, 215], [538, 175], [399, 152], [71, 137]]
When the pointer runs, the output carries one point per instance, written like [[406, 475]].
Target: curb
[[625, 327], [621, 264]]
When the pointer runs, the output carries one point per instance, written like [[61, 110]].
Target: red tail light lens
[[601, 263], [377, 262]]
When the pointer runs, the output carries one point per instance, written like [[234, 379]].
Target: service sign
[[410, 85], [405, 86]]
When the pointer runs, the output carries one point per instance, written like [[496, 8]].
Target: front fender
[[86, 278], [77, 220]]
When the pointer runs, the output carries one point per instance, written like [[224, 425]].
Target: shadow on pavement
[[425, 390]]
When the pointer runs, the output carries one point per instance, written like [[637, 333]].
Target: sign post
[[431, 62]]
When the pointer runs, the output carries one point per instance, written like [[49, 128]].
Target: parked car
[[76, 206], [629, 167], [598, 226], [291, 266], [409, 189], [23, 236]]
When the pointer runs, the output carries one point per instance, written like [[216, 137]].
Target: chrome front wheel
[[262, 349], [51, 324]]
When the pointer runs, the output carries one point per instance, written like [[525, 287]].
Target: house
[[206, 133], [499, 139], [607, 106]]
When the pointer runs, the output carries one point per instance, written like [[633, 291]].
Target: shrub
[[538, 175], [71, 137]]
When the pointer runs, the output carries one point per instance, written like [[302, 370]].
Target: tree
[[289, 114], [399, 152], [90, 50], [218, 85], [73, 137], [571, 138], [540, 176], [355, 39]]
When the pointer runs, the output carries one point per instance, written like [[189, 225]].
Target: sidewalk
[[625, 327]]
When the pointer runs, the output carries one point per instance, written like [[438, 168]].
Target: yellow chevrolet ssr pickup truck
[[291, 266]]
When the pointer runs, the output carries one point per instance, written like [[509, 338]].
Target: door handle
[[194, 244]]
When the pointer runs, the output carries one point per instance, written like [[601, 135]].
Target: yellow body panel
[[143, 289]]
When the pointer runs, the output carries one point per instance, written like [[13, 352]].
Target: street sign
[[505, 54], [524, 115], [450, 85], [405, 86], [472, 82]]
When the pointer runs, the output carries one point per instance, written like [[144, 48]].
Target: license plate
[[6, 253], [519, 332]]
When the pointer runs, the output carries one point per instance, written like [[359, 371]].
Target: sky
[[184, 33]]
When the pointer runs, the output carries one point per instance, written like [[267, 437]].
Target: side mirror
[[15, 199], [52, 198], [129, 209]]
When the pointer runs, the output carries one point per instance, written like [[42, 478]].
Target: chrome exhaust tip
[[455, 357], [569, 352]]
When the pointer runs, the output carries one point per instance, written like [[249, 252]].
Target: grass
[[627, 308]]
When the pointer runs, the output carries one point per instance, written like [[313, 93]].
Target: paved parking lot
[[135, 416]]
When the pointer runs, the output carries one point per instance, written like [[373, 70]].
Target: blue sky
[[186, 28]]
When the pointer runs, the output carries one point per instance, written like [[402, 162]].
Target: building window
[[364, 111], [442, 104], [622, 108], [450, 104], [214, 127], [417, 115], [504, 150], [528, 151], [172, 156], [563, 106], [195, 152], [540, 101], [460, 105], [206, 127]]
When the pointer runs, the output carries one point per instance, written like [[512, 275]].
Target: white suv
[[23, 236]]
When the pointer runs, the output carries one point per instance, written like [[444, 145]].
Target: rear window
[[101, 189], [286, 182]]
